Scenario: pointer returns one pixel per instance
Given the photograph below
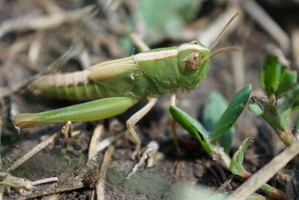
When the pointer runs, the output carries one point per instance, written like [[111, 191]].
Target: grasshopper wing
[[106, 70]]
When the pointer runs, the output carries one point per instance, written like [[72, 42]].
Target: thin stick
[[98, 131], [224, 30], [264, 174], [225, 184], [106, 161], [108, 141], [15, 182], [238, 69], [54, 66], [32, 152], [295, 45], [45, 180], [266, 22], [139, 42], [148, 154], [100, 187], [45, 21]]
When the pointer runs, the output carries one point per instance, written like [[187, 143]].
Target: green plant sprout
[[279, 84], [212, 141]]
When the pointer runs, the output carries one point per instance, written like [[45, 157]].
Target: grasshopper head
[[194, 59], [194, 63]]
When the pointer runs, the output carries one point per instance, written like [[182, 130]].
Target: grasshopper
[[119, 84]]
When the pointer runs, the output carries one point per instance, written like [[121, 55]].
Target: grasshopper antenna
[[224, 30], [224, 49]]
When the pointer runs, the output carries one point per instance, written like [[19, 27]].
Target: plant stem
[[272, 192], [286, 137]]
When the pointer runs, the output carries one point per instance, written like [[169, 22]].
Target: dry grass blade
[[69, 185], [16, 182], [263, 19], [139, 42], [209, 34], [72, 52], [148, 155], [98, 131], [44, 22], [264, 174], [238, 69], [225, 184], [108, 141], [100, 186], [295, 45], [32, 152], [35, 49], [45, 180]]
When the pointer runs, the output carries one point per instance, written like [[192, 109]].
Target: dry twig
[[100, 186], [208, 35], [266, 22], [295, 45], [32, 152], [139, 42], [147, 155], [12, 181], [238, 69], [45, 22], [45, 180], [98, 131], [264, 174]]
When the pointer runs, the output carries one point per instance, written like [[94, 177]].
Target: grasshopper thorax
[[193, 63]]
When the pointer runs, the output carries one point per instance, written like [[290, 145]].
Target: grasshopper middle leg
[[134, 119]]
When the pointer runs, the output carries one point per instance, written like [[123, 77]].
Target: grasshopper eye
[[193, 61]]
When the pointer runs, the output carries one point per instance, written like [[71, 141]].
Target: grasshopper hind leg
[[134, 119]]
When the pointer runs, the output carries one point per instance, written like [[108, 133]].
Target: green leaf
[[236, 166], [296, 97], [296, 106], [270, 75], [285, 113], [192, 126], [297, 121], [287, 106], [255, 109], [212, 111], [287, 79], [233, 111]]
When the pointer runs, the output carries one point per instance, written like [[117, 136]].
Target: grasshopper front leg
[[134, 119], [173, 123]]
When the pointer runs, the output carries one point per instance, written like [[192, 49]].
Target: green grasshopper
[[120, 84]]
